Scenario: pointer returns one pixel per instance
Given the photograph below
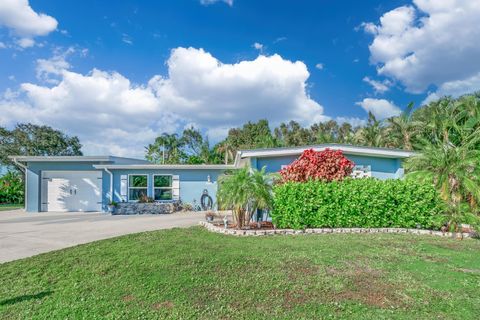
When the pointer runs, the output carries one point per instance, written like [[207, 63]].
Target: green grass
[[191, 273], [8, 206]]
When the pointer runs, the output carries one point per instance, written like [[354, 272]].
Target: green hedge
[[367, 203]]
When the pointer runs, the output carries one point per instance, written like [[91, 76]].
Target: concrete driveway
[[26, 234]]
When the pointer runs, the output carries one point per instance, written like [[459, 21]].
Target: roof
[[109, 159], [62, 158], [165, 166], [347, 149]]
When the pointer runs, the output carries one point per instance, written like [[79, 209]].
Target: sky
[[119, 75]]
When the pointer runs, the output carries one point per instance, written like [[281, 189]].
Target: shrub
[[368, 203], [327, 165], [11, 188]]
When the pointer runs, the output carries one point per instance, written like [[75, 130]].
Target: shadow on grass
[[26, 297]]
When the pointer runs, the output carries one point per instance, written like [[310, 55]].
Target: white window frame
[[129, 187], [163, 188]]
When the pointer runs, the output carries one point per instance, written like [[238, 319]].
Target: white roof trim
[[165, 166], [62, 158], [347, 149]]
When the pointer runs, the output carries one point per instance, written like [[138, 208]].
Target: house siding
[[382, 168], [192, 182]]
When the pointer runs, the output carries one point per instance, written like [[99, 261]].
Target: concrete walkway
[[26, 234]]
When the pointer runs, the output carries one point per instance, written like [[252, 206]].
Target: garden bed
[[267, 231]]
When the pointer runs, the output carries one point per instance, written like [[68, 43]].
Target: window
[[137, 186], [162, 187]]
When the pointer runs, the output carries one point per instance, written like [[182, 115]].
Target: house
[[90, 183]]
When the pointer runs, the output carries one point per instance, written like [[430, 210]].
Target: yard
[[191, 273]]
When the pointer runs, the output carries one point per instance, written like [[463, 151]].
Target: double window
[[162, 187], [137, 186]]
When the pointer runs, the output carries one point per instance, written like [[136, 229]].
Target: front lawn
[[8, 206], [191, 273]]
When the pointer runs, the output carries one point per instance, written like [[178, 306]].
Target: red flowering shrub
[[327, 165]]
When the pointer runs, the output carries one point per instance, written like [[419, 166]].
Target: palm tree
[[453, 168], [225, 147], [372, 134], [401, 129], [244, 192]]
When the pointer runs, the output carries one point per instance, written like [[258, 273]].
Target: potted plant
[[111, 206], [209, 216]]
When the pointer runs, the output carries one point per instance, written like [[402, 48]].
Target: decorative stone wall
[[129, 208], [209, 226]]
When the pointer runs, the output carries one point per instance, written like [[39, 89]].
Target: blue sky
[[117, 76]]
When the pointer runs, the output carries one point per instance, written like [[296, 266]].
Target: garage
[[65, 191]]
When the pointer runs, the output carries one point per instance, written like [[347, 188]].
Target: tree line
[[410, 130]]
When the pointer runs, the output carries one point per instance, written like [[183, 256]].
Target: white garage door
[[72, 191]]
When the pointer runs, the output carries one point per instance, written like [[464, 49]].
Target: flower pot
[[111, 209]]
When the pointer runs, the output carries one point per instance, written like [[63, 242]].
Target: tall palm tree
[[225, 147], [402, 129], [372, 134], [244, 192], [453, 168]]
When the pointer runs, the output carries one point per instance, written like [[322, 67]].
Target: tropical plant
[[454, 168], [11, 188], [372, 134], [245, 191], [401, 130], [327, 165]]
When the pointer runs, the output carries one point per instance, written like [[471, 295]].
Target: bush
[[327, 165], [11, 188], [367, 203]]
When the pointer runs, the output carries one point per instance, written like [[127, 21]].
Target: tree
[[167, 149], [402, 129], [244, 192], [327, 165], [372, 134], [449, 153], [325, 132], [28, 139], [251, 135], [293, 134]]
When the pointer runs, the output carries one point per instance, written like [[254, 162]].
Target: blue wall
[[192, 182], [382, 168], [34, 176]]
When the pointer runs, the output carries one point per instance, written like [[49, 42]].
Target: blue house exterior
[[90, 183]]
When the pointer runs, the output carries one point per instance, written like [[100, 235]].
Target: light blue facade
[[381, 168], [192, 182]]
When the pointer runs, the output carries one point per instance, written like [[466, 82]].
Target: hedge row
[[366, 203]]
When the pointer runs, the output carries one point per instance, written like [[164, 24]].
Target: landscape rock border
[[234, 232]]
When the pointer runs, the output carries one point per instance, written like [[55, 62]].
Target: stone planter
[[129, 208]]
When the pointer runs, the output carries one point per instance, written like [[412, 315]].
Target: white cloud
[[378, 86], [455, 88], [428, 43], [2, 45], [319, 66], [49, 69], [111, 114], [380, 108], [24, 22], [209, 2], [258, 46], [354, 121]]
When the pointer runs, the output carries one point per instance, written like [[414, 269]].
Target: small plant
[[113, 204], [145, 199]]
